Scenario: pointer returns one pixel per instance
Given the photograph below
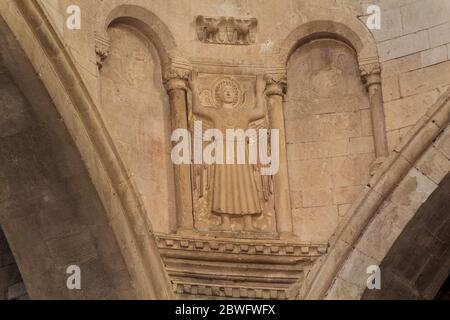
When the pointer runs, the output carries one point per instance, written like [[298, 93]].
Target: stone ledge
[[241, 246], [223, 291], [205, 266]]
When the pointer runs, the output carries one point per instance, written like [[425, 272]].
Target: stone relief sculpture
[[233, 188], [240, 229], [208, 29], [226, 30], [242, 31]]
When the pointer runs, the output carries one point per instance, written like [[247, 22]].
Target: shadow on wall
[[444, 293], [11, 284], [418, 263]]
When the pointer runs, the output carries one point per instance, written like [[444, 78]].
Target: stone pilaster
[[175, 82], [371, 76], [275, 91]]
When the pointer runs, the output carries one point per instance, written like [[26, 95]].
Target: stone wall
[[419, 261], [329, 131], [136, 111], [329, 136], [413, 47]]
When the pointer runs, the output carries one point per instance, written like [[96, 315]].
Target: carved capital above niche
[[102, 47], [226, 30], [276, 84], [176, 78], [370, 73]]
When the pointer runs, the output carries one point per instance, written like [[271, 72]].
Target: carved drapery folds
[[371, 76], [195, 184], [230, 197], [226, 30]]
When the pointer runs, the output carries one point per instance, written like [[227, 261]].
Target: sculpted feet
[[225, 224], [248, 225]]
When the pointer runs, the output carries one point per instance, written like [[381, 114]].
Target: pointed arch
[[49, 58]]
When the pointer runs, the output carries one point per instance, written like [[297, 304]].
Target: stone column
[[275, 90], [371, 76], [175, 82]]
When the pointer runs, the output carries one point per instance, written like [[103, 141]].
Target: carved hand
[[193, 81], [260, 84]]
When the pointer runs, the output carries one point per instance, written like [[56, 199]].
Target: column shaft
[[182, 173], [275, 94], [378, 119], [371, 75]]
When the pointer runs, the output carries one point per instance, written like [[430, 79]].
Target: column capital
[[276, 84], [102, 47], [370, 73], [176, 78]]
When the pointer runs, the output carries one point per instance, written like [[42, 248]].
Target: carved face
[[226, 92]]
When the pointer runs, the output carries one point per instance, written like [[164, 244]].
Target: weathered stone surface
[[440, 35], [421, 15], [434, 56], [417, 263], [328, 127], [434, 165], [426, 79], [136, 111], [404, 45], [407, 111], [391, 88], [86, 118], [306, 220]]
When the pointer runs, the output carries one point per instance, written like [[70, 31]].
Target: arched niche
[[134, 105], [328, 134], [148, 24], [350, 31]]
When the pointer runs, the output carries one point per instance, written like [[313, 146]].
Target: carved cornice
[[236, 268], [226, 30], [102, 47], [228, 291], [176, 78], [243, 246], [276, 84], [370, 73]]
